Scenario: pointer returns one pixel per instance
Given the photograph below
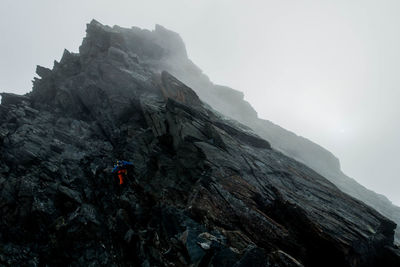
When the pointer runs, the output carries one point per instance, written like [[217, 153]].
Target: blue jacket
[[123, 165]]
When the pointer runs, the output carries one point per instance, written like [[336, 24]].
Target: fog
[[326, 70]]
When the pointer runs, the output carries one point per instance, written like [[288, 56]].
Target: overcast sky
[[326, 70]]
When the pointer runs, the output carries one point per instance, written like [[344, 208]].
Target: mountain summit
[[207, 189]]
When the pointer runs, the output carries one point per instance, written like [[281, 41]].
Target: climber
[[121, 169]]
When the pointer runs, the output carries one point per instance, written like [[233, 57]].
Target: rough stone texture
[[231, 103], [205, 190]]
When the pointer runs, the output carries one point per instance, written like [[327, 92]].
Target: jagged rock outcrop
[[205, 190], [231, 103]]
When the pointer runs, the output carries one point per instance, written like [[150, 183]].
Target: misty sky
[[326, 70]]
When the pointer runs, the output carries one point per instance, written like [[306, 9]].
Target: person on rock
[[121, 169]]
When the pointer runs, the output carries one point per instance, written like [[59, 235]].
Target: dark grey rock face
[[231, 103], [204, 191]]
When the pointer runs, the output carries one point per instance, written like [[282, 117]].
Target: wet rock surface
[[204, 191], [231, 103]]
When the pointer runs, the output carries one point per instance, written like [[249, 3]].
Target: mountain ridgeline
[[212, 185], [231, 103]]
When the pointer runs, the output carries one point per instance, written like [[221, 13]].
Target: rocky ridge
[[231, 103], [205, 191]]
